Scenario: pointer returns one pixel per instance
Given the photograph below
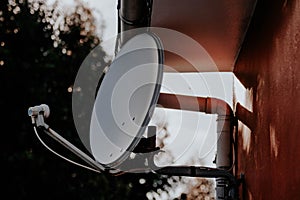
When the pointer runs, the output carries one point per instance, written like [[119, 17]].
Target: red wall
[[269, 63]]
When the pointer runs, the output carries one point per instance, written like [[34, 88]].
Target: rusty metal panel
[[268, 65]]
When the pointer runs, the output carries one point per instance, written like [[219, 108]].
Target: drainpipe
[[224, 128], [132, 14]]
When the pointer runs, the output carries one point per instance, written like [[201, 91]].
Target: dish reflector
[[126, 99]]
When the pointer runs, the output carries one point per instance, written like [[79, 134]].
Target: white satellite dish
[[126, 99], [124, 105]]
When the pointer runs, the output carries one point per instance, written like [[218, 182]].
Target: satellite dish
[[126, 100], [122, 110]]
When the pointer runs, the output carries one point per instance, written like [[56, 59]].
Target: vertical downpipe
[[133, 14], [224, 152]]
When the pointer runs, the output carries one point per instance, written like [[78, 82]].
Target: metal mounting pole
[[73, 149], [38, 121]]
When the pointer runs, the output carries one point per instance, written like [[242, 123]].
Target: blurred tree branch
[[41, 49]]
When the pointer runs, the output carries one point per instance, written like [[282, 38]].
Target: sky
[[103, 9]]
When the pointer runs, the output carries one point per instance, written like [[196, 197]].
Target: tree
[[41, 49]]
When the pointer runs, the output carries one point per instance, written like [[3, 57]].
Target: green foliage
[[41, 50]]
